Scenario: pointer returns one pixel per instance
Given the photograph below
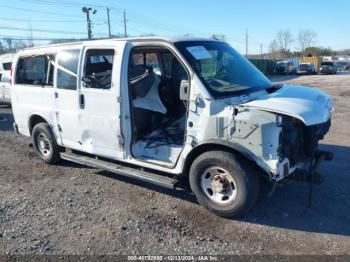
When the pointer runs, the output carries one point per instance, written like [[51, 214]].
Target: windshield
[[282, 63], [222, 69]]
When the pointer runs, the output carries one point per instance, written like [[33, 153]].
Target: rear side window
[[168, 59], [147, 59], [7, 66], [98, 68], [68, 59], [34, 70]]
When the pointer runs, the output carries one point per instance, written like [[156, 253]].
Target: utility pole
[[125, 32], [88, 21], [30, 35], [246, 43], [109, 23], [261, 52]]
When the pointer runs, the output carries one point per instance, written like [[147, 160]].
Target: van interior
[[158, 82]]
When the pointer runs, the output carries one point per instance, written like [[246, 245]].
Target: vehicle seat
[[141, 79]]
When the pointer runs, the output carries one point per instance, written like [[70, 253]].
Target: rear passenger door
[[99, 101], [66, 97]]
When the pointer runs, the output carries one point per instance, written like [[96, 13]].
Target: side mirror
[[184, 90]]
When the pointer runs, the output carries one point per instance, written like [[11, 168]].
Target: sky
[[51, 19]]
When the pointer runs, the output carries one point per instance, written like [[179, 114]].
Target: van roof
[[169, 39], [7, 57]]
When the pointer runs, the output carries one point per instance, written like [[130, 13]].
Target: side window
[[69, 60], [98, 68], [168, 59], [138, 59], [33, 70], [147, 59], [7, 66], [152, 61]]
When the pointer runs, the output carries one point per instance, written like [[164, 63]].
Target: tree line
[[10, 45], [304, 44]]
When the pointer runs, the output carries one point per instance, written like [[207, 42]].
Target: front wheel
[[224, 183], [45, 143]]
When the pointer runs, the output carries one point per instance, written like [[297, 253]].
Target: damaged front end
[[298, 145], [303, 117]]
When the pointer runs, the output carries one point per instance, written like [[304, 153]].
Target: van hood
[[309, 105]]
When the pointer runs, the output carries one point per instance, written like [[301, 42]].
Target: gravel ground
[[70, 209]]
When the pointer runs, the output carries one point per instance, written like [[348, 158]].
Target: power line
[[44, 20], [3, 37], [36, 11], [41, 30], [63, 3]]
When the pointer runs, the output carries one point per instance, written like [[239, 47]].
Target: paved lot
[[69, 209]]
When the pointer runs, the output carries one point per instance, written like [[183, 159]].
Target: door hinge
[[56, 95]]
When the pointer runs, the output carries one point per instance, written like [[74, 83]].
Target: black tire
[[43, 133], [244, 176]]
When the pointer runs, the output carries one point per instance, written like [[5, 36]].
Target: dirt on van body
[[71, 209]]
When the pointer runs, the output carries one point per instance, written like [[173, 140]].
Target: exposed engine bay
[[298, 142]]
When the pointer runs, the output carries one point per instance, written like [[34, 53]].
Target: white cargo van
[[165, 110]]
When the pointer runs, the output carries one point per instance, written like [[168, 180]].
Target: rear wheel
[[224, 183], [45, 144]]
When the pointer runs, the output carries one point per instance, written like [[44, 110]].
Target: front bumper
[[326, 71], [304, 168]]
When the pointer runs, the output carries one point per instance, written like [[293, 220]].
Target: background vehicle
[[5, 77], [166, 110], [342, 66], [328, 68], [315, 60], [5, 94], [306, 68], [285, 67]]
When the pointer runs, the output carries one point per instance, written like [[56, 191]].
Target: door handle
[[82, 101]]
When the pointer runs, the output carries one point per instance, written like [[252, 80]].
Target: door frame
[[128, 113]]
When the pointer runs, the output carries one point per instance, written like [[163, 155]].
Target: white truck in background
[[5, 77]]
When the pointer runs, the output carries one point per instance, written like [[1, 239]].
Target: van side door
[[66, 97], [99, 100]]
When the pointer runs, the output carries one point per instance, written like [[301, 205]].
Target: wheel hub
[[220, 184], [43, 144]]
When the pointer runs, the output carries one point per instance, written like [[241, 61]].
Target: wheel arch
[[212, 145], [35, 119]]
